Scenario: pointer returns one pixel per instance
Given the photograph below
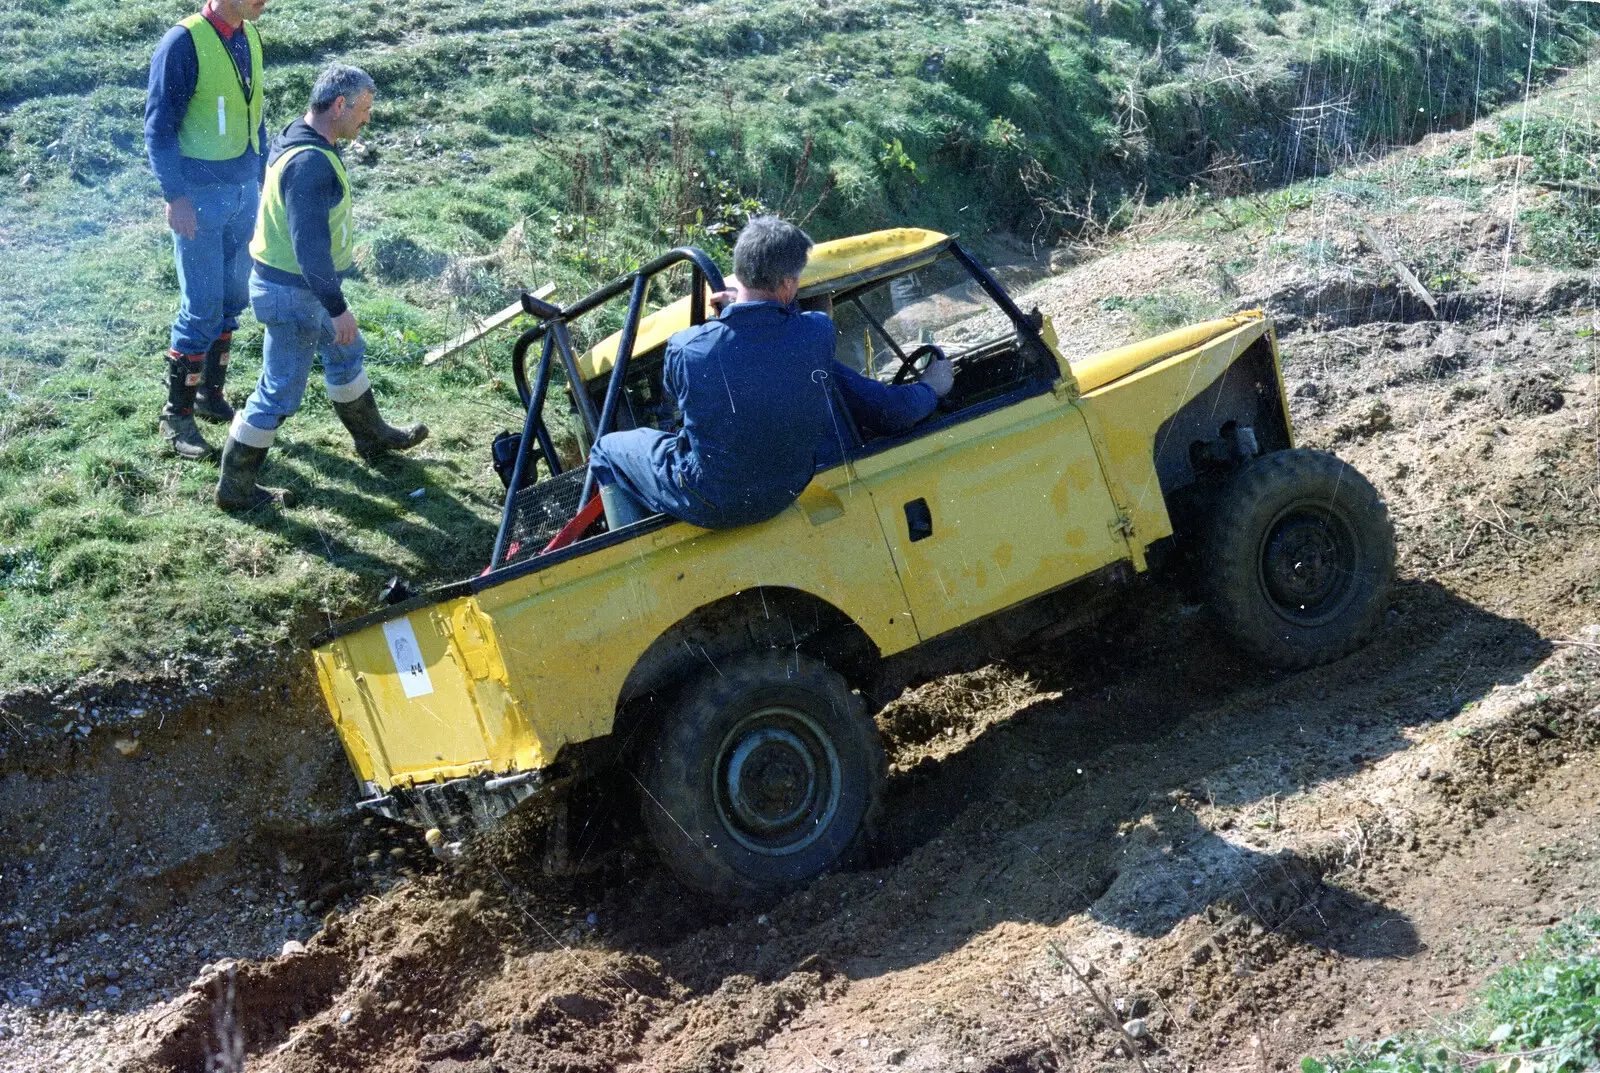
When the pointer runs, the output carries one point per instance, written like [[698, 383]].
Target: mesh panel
[[542, 509]]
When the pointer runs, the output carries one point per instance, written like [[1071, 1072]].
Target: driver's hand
[[940, 375]]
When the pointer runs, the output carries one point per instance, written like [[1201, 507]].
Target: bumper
[[457, 805]]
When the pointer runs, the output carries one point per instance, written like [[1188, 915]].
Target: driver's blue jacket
[[753, 386]]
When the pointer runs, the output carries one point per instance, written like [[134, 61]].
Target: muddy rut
[[1244, 866]]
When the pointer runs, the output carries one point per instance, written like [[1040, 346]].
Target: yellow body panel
[[565, 638], [1125, 413], [1103, 368], [829, 261], [1017, 504]]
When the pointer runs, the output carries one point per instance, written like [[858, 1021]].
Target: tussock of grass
[[563, 141]]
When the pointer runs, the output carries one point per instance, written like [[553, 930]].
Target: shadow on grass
[[438, 528]]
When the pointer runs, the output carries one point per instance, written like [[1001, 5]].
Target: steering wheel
[[913, 364]]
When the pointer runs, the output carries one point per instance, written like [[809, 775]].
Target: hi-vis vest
[[271, 244], [220, 121]]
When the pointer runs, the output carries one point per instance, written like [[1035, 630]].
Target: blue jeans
[[214, 266], [298, 328]]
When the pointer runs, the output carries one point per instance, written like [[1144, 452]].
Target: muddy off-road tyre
[[763, 775], [1298, 558]]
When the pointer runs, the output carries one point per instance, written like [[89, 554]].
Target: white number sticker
[[407, 657]]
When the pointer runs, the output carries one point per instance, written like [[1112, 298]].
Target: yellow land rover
[[737, 671]]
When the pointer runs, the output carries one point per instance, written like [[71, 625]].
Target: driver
[[753, 386]]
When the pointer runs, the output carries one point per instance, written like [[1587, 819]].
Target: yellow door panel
[[992, 511]]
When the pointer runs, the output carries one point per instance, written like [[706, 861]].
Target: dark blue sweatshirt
[[310, 190], [174, 71], [758, 421]]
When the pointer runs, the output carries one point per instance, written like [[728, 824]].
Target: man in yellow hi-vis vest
[[304, 243], [207, 142]]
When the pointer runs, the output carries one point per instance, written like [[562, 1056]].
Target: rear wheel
[[1299, 558], [763, 775]]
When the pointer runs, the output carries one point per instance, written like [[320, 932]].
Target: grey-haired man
[[303, 246], [753, 386]]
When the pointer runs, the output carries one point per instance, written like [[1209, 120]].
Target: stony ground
[[1245, 867]]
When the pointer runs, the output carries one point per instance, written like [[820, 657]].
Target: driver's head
[[770, 255]]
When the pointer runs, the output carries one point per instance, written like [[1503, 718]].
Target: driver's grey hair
[[769, 251], [340, 80]]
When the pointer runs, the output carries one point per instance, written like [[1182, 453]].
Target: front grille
[[541, 510]]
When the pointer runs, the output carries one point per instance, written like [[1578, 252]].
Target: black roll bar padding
[[619, 372], [706, 274], [530, 425], [541, 386], [580, 390], [538, 307], [519, 360]]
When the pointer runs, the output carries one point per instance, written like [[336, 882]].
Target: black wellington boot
[[237, 489], [177, 416], [374, 436], [209, 402]]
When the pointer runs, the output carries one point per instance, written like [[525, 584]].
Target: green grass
[[1162, 310], [1539, 1014], [593, 136]]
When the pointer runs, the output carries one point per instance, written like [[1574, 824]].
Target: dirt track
[[1253, 866]]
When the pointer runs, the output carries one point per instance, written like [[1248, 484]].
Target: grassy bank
[[1541, 1013], [560, 141]]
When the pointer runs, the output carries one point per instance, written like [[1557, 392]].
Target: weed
[[1542, 1012], [1162, 310]]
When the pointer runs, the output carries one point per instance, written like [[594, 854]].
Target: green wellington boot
[[373, 436], [237, 489]]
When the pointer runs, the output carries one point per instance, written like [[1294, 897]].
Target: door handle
[[919, 520]]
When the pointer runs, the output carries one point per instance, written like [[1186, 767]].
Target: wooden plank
[[1408, 277], [482, 327]]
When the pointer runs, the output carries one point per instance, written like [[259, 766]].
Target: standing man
[[207, 141], [303, 245]]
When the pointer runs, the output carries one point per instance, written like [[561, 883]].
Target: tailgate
[[424, 696]]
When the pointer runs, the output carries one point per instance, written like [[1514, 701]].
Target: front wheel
[[1298, 558], [762, 776]]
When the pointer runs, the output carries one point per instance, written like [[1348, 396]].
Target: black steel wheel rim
[[1307, 564], [777, 781]]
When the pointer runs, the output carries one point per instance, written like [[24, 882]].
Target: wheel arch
[[1249, 393], [765, 617]]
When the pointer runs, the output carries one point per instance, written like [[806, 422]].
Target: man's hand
[[722, 300], [344, 328], [939, 375], [181, 218]]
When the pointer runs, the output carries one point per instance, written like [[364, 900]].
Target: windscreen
[[941, 303]]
